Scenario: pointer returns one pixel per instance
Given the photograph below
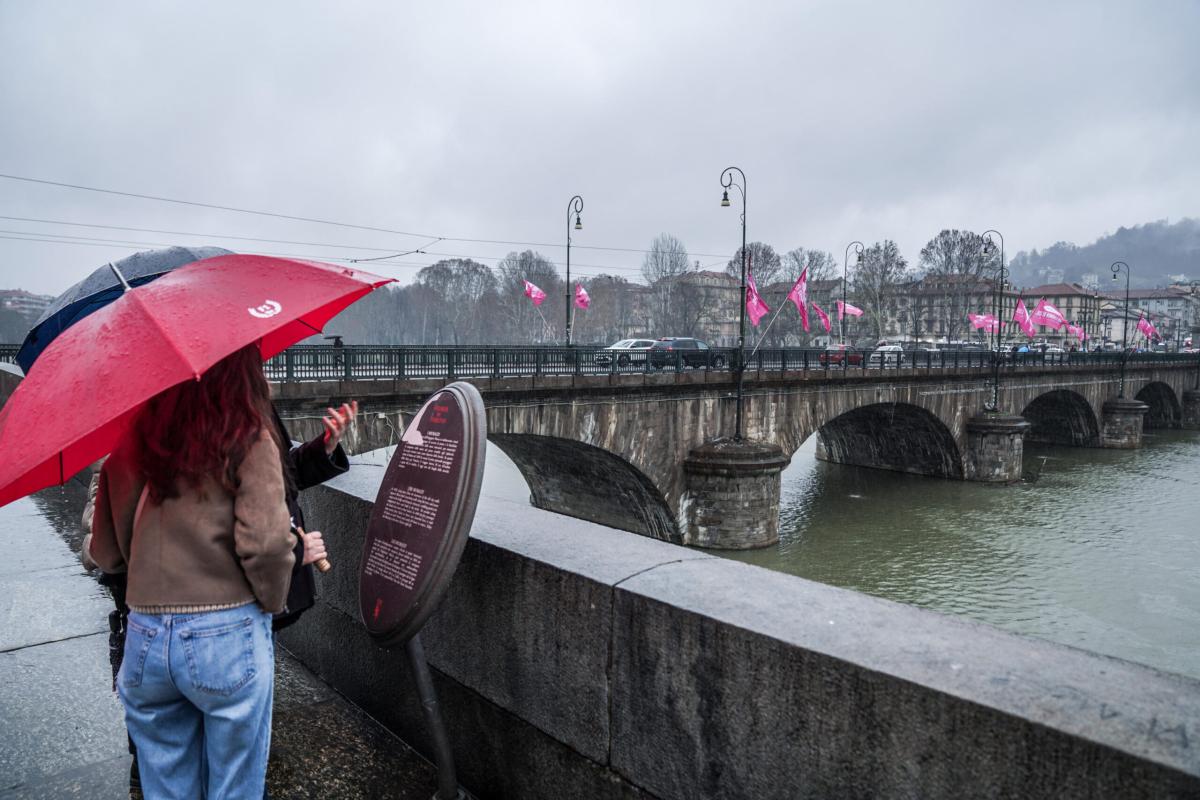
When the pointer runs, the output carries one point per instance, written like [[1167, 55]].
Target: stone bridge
[[652, 453]]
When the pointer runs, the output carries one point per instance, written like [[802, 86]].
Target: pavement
[[62, 732]]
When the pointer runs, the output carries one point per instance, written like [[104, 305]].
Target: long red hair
[[204, 428]]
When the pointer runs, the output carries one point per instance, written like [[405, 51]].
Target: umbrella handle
[[322, 564]]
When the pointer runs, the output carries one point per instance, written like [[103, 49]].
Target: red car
[[839, 354]]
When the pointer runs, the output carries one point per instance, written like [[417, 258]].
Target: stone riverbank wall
[[579, 661]]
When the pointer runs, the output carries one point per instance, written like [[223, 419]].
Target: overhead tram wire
[[315, 220], [210, 236], [124, 244]]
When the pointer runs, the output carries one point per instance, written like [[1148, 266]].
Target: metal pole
[[575, 206], [727, 182], [1116, 270], [997, 293], [448, 788], [858, 249]]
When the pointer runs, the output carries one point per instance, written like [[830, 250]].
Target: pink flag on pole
[[821, 315], [1021, 317], [582, 299], [986, 321], [534, 293], [755, 306], [799, 296], [845, 308], [1048, 315], [1146, 328]]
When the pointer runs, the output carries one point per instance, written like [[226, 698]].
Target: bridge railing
[[358, 362], [366, 362]]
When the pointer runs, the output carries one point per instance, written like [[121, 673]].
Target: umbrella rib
[[183, 357]]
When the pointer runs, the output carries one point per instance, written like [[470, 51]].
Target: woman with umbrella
[[167, 378], [191, 505]]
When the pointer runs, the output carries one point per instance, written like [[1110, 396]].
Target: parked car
[[888, 356], [692, 353], [840, 354], [626, 352]]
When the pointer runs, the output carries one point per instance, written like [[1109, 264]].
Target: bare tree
[[610, 316], [460, 289], [666, 258], [874, 282], [955, 265], [764, 263], [525, 323]]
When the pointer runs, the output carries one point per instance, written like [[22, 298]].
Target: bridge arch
[[894, 436], [566, 475], [1165, 409], [1062, 417]]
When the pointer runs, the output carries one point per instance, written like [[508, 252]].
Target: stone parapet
[[1121, 423], [579, 661], [995, 448], [731, 500]]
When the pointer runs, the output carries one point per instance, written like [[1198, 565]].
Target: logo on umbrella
[[268, 309]]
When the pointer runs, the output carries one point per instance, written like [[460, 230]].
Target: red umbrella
[[87, 387]]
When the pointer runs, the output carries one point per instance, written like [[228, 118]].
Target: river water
[[1101, 552]]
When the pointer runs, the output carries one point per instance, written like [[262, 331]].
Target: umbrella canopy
[[92, 380], [101, 288]]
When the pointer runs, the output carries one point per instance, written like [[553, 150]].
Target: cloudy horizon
[[850, 121]]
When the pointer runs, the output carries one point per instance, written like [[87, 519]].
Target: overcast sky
[[866, 121]]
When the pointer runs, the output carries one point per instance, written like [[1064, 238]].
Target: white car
[[626, 352], [886, 356]]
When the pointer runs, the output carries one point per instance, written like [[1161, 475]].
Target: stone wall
[[579, 661]]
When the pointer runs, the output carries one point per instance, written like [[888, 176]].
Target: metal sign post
[[418, 529]]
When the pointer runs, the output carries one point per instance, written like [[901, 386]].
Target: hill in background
[[1158, 254]]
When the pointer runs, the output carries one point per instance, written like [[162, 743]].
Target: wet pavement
[[62, 732]]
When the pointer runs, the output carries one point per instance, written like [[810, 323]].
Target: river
[[1101, 552]]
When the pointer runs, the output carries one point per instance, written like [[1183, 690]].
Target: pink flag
[[1147, 328], [1021, 317], [799, 296], [845, 308], [755, 306], [821, 315], [582, 299], [1048, 315], [985, 321], [534, 293]]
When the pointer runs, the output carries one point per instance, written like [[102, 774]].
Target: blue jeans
[[197, 690]]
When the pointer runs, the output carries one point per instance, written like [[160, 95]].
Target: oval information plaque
[[422, 514]]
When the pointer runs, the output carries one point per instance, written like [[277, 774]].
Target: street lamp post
[[574, 207], [858, 251], [1117, 267], [997, 292], [727, 181]]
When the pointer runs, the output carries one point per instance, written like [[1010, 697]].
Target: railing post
[[347, 357], [289, 361], [451, 357], [537, 361]]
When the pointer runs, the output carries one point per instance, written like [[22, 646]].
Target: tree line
[[461, 301]]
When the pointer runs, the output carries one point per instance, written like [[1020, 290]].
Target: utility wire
[[215, 206], [327, 222], [125, 245]]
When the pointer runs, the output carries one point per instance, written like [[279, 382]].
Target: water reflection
[[1100, 552]]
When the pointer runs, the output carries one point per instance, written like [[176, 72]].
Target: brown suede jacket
[[206, 548]]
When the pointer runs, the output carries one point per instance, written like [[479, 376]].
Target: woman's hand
[[336, 423], [314, 546]]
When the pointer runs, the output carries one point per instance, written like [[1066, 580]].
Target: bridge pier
[[1191, 409], [995, 448], [1121, 423], [731, 495]]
